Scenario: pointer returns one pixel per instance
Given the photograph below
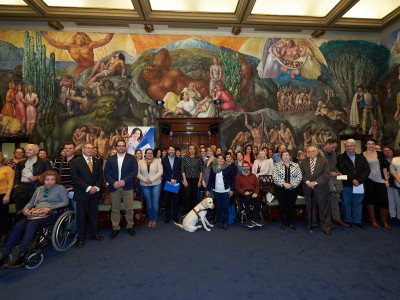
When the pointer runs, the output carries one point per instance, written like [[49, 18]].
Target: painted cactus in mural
[[233, 73]]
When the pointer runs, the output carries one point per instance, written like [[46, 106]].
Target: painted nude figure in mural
[[215, 74], [225, 96], [296, 56], [368, 106], [85, 101], [79, 137], [8, 108], [31, 101], [101, 143], [290, 52], [159, 79], [354, 109], [324, 111], [20, 109], [106, 70], [9, 125], [241, 139], [286, 137], [80, 48], [256, 131], [274, 135], [205, 108]]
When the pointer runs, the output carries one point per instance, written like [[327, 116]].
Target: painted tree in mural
[[351, 63], [232, 73], [43, 79]]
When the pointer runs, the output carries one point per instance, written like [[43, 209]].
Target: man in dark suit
[[119, 172], [356, 167], [315, 172], [172, 166], [87, 175]]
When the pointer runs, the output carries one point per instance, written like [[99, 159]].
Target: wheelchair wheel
[[63, 238], [34, 260]]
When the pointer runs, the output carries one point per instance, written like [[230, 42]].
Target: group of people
[[42, 190], [19, 111]]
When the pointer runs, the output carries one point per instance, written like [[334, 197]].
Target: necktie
[[312, 165], [90, 164]]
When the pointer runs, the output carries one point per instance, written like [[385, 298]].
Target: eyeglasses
[[46, 192]]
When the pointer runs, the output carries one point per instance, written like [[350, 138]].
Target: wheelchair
[[59, 234], [241, 216]]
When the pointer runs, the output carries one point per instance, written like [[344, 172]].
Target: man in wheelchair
[[48, 202], [248, 190]]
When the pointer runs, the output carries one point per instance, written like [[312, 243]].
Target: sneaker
[[17, 261], [283, 227], [292, 227], [257, 223], [249, 224]]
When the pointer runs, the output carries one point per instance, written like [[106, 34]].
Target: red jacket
[[249, 182]]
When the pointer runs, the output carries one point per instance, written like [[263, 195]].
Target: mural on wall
[[62, 86]]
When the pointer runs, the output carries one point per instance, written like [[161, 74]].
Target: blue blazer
[[175, 172], [128, 172], [228, 175]]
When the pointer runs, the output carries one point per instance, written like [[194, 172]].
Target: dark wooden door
[[181, 132]]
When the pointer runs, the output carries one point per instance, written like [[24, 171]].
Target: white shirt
[[120, 159]]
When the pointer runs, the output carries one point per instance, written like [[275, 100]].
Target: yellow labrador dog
[[198, 213]]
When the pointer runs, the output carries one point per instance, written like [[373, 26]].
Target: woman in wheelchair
[[48, 202]]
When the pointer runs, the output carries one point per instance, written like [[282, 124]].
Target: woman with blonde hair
[[6, 186]]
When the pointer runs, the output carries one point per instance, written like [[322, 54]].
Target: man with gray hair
[[315, 170], [356, 167], [27, 174]]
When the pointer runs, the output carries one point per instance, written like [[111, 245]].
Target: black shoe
[[80, 242], [17, 261], [166, 221], [3, 261], [257, 223], [114, 234], [292, 227], [131, 232], [283, 227], [97, 237], [360, 225], [225, 226], [249, 223]]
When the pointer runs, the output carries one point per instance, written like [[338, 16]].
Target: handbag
[[173, 188], [38, 213]]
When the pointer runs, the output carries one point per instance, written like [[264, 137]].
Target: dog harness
[[197, 212]]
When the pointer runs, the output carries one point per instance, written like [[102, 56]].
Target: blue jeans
[[28, 229], [151, 196], [222, 201], [352, 205]]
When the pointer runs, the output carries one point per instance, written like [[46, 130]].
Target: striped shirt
[[63, 167]]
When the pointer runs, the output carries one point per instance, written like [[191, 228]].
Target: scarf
[[246, 173], [217, 168]]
